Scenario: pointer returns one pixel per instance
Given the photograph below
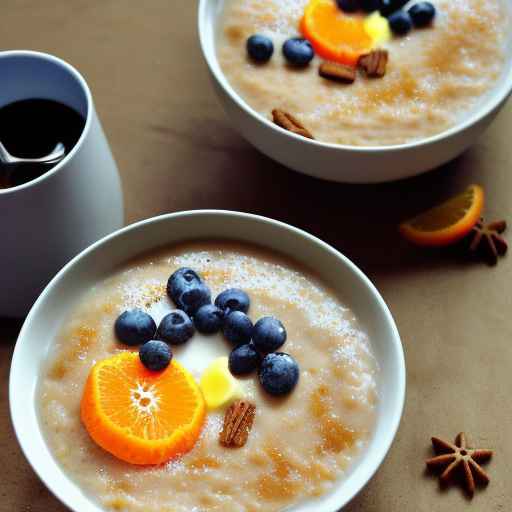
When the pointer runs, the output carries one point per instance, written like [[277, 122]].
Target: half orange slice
[[447, 223], [140, 416], [335, 35]]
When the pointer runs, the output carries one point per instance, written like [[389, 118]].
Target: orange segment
[[335, 35], [139, 416], [448, 222]]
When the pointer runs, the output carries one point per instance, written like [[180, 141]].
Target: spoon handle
[[58, 153], [5, 157]]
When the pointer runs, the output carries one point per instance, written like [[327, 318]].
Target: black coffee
[[31, 129]]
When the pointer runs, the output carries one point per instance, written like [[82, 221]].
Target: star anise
[[460, 457], [486, 240]]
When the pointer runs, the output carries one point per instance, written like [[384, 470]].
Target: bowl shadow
[[361, 221]]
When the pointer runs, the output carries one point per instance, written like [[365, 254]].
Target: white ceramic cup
[[106, 256], [45, 222]]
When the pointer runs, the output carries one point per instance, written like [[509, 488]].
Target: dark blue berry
[[238, 328], [422, 14], [155, 355], [208, 319], [243, 360], [175, 328], [370, 5], [388, 7], [182, 280], [279, 373], [298, 51], [233, 300], [349, 5], [134, 327], [400, 23], [260, 48], [193, 298], [268, 335]]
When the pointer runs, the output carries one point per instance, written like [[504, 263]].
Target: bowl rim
[[497, 96], [378, 455]]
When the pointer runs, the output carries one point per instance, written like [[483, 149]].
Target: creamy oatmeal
[[299, 446], [435, 75]]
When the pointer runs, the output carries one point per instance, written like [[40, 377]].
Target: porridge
[[300, 444], [435, 75]]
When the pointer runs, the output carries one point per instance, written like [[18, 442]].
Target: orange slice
[[448, 222], [139, 416], [335, 35]]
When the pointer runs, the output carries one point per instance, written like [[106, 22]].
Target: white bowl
[[102, 258], [348, 164]]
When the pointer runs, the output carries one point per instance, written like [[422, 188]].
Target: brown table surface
[[177, 151]]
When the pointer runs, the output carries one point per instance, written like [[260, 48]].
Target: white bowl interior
[[209, 15], [98, 262]]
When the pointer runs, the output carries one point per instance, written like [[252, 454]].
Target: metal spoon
[[58, 153]]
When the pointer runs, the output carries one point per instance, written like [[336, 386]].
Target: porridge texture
[[299, 446], [435, 75]]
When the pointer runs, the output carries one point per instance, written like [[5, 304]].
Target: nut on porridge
[[240, 383], [392, 76]]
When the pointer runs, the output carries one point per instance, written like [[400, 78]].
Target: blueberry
[[370, 5], [279, 373], [233, 300], [182, 280], [134, 327], [422, 14], [243, 360], [155, 355], [268, 335], [175, 328], [193, 298], [260, 48], [349, 5], [298, 51], [238, 328], [208, 319], [400, 23], [388, 7]]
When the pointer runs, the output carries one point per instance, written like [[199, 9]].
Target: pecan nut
[[374, 63], [337, 72], [290, 123], [237, 424]]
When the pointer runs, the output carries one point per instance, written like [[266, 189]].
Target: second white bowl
[[349, 164]]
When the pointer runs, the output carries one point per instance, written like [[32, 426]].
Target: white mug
[[47, 221]]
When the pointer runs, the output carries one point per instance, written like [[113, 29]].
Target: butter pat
[[219, 387], [377, 27]]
